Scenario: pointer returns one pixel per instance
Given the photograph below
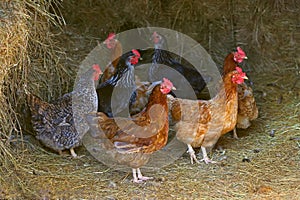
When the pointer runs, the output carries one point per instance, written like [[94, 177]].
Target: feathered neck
[[116, 53], [124, 75], [157, 97], [161, 56], [85, 79], [229, 64], [228, 89]]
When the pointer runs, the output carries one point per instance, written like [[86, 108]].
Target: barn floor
[[263, 164]]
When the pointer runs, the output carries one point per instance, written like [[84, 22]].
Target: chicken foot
[[235, 134], [205, 157], [192, 154], [72, 151], [138, 177]]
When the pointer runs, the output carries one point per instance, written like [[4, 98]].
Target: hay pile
[[27, 55], [38, 51]]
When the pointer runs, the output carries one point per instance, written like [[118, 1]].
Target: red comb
[[97, 68], [239, 55], [167, 82], [239, 49], [239, 69], [135, 52], [111, 36]]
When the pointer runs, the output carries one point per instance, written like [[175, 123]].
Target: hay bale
[[28, 55], [14, 37]]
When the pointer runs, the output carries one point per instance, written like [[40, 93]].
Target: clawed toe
[[192, 154], [207, 160], [138, 177]]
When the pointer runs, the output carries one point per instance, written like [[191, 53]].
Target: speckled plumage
[[60, 125]]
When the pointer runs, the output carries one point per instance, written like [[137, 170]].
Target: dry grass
[[35, 49]]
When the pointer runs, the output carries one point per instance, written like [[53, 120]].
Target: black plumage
[[118, 92], [188, 81]]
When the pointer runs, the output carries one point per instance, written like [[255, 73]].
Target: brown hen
[[131, 141], [247, 109], [116, 51], [202, 123]]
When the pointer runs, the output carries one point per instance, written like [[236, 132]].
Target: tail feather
[[174, 107], [36, 104]]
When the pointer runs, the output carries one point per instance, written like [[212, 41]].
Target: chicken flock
[[130, 118]]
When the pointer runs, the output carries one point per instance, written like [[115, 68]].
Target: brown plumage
[[247, 109], [202, 123], [61, 125], [143, 91], [131, 141], [116, 51]]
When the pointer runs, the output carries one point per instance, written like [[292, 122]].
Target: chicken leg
[[192, 154], [205, 157], [235, 134], [138, 177], [74, 155]]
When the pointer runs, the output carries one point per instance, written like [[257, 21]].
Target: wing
[[247, 109], [194, 120]]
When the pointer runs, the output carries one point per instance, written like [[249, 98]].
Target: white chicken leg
[[205, 157], [72, 151], [235, 134], [138, 177], [192, 154]]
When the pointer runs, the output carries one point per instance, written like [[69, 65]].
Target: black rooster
[[185, 77], [119, 91]]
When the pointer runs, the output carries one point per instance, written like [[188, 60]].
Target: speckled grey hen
[[60, 125]]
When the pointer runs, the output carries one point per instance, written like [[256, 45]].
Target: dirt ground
[[263, 164]]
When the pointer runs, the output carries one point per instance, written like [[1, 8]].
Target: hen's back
[[247, 109], [53, 122]]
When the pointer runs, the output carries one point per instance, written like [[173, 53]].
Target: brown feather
[[203, 122], [247, 109], [135, 138], [115, 54]]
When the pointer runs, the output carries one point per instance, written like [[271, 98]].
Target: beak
[[245, 77], [140, 58], [246, 57], [173, 88]]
